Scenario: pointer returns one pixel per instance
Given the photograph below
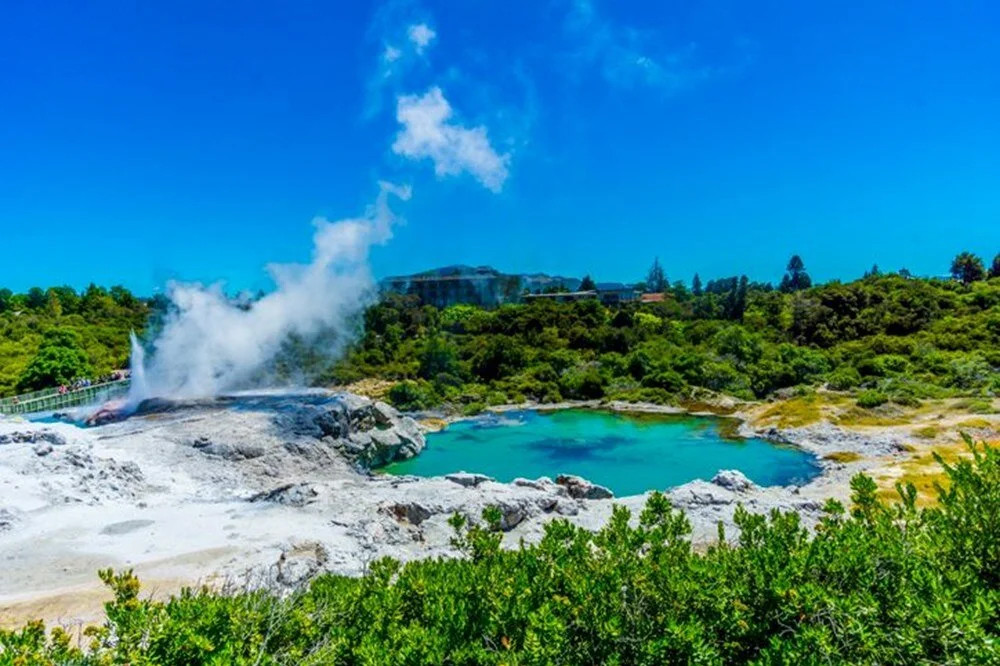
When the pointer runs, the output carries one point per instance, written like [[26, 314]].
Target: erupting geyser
[[209, 345]]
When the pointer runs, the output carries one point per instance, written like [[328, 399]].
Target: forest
[[56, 336], [886, 337]]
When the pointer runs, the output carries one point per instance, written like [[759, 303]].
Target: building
[[613, 293], [561, 297], [481, 285], [487, 287], [655, 297]]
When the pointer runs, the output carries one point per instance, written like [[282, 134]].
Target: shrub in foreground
[[887, 584]]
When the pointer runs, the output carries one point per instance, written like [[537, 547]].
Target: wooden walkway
[[51, 400]]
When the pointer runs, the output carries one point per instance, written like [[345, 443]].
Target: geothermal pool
[[628, 453]]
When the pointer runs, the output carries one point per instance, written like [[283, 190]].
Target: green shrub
[[872, 398], [974, 406], [582, 384], [665, 379], [473, 408], [412, 396]]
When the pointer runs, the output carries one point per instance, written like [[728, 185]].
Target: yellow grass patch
[[794, 412], [376, 389], [924, 472], [856, 416], [433, 424], [978, 424], [843, 456]]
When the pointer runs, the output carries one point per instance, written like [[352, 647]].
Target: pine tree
[[967, 268], [696, 285], [656, 281], [796, 278]]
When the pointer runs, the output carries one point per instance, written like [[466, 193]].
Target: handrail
[[48, 400]]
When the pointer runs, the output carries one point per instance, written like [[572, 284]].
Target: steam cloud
[[209, 345]]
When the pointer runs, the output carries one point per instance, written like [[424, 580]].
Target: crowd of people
[[86, 382]]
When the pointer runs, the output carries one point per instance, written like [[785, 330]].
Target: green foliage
[[967, 268], [878, 584], [656, 280], [795, 278], [872, 398], [412, 396], [60, 360], [910, 338], [49, 337]]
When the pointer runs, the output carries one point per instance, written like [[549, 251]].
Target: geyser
[[209, 345]]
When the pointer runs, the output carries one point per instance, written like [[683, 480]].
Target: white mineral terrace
[[273, 490]]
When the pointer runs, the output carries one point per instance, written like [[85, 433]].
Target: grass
[[977, 424], [974, 406], [794, 412], [925, 473], [843, 456], [857, 416], [433, 424], [927, 432]]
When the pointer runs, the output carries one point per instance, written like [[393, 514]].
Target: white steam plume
[[209, 345]]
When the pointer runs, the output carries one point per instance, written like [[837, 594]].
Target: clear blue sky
[[146, 141]]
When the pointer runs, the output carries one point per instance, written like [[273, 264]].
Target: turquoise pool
[[628, 453]]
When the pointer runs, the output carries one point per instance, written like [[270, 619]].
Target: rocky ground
[[275, 488]]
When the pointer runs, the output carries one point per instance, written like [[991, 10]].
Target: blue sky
[[141, 142]]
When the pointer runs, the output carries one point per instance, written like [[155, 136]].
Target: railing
[[52, 399]]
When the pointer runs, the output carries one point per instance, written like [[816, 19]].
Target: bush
[[412, 396], [60, 360], [582, 384], [667, 380], [872, 398]]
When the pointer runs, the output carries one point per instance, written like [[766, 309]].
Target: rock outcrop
[[291, 494], [32, 437], [580, 488], [369, 433]]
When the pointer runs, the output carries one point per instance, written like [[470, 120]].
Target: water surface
[[628, 453]]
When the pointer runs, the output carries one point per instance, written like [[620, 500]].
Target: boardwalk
[[52, 400]]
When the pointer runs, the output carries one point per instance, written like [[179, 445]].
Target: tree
[[123, 297], [796, 278], [587, 284], [656, 281], [995, 267], [68, 299], [696, 285], [873, 271], [60, 360], [6, 300], [967, 268], [499, 357], [36, 299], [438, 357], [905, 273]]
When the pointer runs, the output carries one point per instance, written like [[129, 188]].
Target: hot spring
[[628, 453]]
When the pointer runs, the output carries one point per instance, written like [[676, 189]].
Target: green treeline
[[55, 336], [890, 337], [877, 584], [894, 336]]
